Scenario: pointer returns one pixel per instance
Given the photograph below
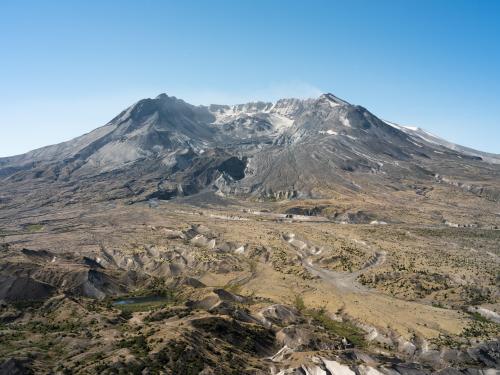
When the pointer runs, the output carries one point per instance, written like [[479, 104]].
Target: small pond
[[140, 300]]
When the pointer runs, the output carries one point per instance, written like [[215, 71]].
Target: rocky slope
[[165, 147]]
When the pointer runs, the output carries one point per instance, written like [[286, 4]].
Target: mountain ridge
[[254, 107], [308, 148]]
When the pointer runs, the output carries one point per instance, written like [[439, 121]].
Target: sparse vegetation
[[299, 304], [33, 228], [342, 329], [165, 333]]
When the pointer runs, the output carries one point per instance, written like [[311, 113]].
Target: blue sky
[[67, 67]]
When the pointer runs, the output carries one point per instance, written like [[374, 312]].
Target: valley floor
[[245, 280]]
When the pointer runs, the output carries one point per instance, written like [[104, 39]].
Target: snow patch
[[350, 136], [345, 122], [415, 143], [329, 132]]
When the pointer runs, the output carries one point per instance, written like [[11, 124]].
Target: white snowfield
[[282, 111], [280, 114]]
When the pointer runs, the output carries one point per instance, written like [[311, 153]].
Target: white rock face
[[366, 370], [377, 222], [279, 356], [282, 314], [406, 347], [337, 368], [486, 313], [201, 241], [490, 371], [240, 250], [313, 370], [301, 245]]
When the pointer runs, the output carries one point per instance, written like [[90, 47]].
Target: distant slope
[[428, 137]]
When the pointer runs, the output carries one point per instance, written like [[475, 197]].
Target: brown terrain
[[123, 271]]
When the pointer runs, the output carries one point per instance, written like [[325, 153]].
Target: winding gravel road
[[343, 281]]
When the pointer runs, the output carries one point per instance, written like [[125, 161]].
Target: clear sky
[[67, 67]]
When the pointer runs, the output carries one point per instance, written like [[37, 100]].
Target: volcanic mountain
[[295, 237], [314, 148]]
